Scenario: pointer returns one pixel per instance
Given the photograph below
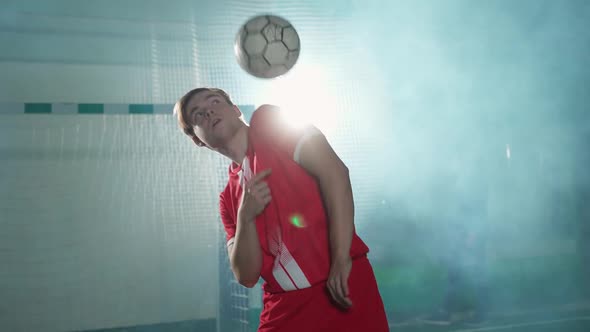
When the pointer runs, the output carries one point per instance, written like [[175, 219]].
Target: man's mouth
[[215, 122]]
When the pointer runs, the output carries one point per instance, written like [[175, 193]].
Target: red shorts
[[311, 309]]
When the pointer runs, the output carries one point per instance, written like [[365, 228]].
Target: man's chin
[[215, 144]]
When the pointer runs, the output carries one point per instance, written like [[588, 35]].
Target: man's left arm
[[318, 158]]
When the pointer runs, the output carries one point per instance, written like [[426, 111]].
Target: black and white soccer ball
[[267, 46]]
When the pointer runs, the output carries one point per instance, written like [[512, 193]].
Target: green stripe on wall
[[37, 108], [141, 109], [90, 108]]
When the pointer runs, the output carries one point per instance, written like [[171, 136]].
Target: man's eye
[[215, 101], [197, 116]]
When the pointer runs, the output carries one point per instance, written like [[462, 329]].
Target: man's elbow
[[246, 275], [246, 280], [248, 283]]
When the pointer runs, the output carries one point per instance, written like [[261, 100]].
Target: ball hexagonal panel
[[290, 38], [276, 53], [256, 24], [272, 32], [254, 44]]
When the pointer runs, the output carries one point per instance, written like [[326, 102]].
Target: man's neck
[[237, 146]]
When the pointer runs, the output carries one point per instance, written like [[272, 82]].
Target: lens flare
[[297, 220]]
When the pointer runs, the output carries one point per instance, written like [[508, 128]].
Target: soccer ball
[[267, 46]]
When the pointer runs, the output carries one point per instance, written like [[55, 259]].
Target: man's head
[[208, 116]]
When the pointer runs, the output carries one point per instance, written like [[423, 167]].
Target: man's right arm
[[245, 254]]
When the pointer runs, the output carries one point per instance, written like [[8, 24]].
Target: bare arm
[[245, 255], [320, 160]]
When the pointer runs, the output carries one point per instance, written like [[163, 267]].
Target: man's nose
[[208, 113]]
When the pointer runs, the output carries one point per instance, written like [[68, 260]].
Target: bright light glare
[[305, 96]]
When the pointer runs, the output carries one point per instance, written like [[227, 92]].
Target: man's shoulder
[[264, 115], [267, 108]]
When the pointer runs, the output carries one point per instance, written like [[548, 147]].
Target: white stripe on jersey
[[293, 269], [307, 133], [290, 273], [245, 172], [282, 278]]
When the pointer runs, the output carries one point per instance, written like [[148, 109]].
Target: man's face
[[213, 118]]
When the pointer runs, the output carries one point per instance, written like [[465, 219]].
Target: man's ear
[[198, 142]]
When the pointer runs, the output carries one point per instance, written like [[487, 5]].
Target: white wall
[[102, 223], [105, 220], [60, 57]]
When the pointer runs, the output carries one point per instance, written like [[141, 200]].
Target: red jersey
[[293, 228]]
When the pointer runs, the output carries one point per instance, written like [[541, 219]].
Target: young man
[[288, 213]]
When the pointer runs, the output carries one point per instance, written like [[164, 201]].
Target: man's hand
[[255, 197], [338, 282]]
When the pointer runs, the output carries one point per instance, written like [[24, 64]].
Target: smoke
[[485, 122]]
